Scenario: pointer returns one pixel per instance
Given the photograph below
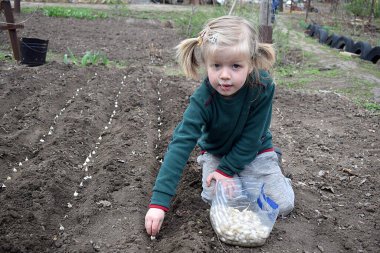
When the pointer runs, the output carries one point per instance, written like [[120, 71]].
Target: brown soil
[[331, 147]]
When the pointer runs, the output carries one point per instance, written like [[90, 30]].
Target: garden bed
[[80, 148]]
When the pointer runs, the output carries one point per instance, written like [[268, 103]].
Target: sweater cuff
[[224, 173], [164, 208], [160, 199]]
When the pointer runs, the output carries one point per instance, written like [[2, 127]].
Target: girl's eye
[[236, 66], [216, 65]]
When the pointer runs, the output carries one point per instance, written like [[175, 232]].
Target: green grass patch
[[359, 88], [307, 71], [6, 56], [319, 73], [285, 71], [69, 12], [3, 56], [298, 83], [292, 76], [371, 106], [369, 67]]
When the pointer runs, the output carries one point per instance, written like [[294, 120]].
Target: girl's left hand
[[153, 220]]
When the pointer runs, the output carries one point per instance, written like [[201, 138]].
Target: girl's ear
[[250, 68]]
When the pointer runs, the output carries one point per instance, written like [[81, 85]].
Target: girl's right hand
[[228, 184], [215, 176], [153, 220]]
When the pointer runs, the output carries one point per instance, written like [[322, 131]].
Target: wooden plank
[[5, 5], [11, 26], [349, 54]]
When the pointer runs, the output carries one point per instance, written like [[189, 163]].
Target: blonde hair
[[225, 31]]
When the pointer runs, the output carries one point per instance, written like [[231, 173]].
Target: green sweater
[[235, 128]]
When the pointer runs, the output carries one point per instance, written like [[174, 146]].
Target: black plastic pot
[[33, 51]]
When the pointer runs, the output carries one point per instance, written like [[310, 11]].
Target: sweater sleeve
[[246, 148], [184, 139]]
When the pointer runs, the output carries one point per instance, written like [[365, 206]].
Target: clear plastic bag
[[241, 214]]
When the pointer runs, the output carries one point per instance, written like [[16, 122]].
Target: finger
[[148, 226], [208, 180], [156, 225]]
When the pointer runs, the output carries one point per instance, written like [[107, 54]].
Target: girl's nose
[[224, 74]]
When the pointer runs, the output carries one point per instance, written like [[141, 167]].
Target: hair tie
[[200, 40], [200, 37]]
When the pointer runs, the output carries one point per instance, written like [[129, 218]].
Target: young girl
[[228, 117]]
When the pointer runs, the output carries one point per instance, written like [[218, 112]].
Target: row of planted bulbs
[[90, 158], [159, 122]]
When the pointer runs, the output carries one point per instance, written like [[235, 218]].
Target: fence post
[[265, 26], [5, 6], [17, 6]]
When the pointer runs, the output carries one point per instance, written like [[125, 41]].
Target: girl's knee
[[282, 193], [286, 206]]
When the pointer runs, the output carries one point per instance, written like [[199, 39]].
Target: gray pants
[[264, 169]]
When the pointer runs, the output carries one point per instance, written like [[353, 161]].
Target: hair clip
[[213, 39]]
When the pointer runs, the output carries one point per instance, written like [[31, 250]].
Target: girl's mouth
[[225, 87]]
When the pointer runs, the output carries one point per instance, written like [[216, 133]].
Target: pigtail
[[265, 56], [185, 53]]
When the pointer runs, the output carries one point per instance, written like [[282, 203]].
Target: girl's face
[[228, 70]]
